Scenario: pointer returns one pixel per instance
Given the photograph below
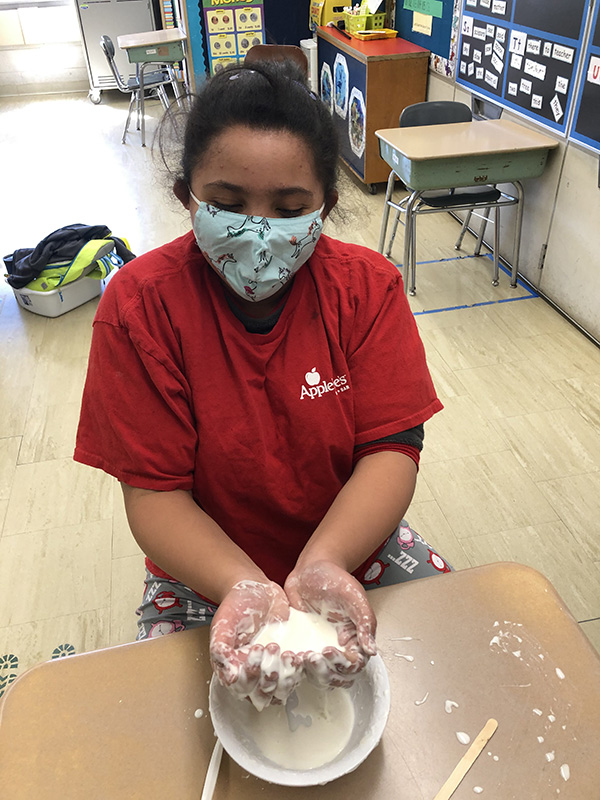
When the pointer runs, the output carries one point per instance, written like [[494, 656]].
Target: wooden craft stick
[[467, 761]]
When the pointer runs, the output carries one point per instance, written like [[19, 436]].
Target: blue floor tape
[[531, 293]]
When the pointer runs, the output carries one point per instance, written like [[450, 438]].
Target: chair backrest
[[435, 112], [108, 49], [278, 52]]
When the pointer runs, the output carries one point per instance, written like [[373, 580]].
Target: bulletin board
[[524, 54], [232, 27], [586, 126], [432, 24]]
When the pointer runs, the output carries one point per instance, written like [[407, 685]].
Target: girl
[[260, 390]]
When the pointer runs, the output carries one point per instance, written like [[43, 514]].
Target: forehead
[[258, 159]]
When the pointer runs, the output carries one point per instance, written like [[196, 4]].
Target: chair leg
[[496, 244], [126, 128], [463, 230], [163, 97], [484, 221], [175, 86], [386, 210], [519, 226]]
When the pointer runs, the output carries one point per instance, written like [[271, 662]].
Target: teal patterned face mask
[[256, 256]]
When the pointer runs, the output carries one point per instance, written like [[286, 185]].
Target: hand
[[260, 674], [329, 590]]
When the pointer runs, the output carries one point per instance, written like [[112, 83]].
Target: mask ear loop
[[192, 195]]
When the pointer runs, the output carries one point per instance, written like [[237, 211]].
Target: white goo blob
[[310, 730], [302, 632], [463, 737]]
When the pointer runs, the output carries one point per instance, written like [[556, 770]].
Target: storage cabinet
[[366, 85]]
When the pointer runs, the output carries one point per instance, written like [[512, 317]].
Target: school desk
[[462, 648], [460, 154], [151, 48]]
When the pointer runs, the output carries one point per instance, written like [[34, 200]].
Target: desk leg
[[386, 210], [521, 194], [496, 245], [142, 111]]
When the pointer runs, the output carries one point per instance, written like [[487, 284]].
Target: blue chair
[[154, 83], [471, 198]]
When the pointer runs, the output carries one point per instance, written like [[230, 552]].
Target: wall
[[40, 50], [562, 210]]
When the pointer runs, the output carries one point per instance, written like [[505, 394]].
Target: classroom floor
[[510, 470]]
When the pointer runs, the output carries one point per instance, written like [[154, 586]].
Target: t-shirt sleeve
[[391, 384], [136, 423]]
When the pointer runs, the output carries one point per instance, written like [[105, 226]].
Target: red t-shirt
[[260, 427]]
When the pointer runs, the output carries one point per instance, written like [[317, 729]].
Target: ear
[[182, 192], [330, 203]]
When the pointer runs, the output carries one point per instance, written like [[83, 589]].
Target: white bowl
[[370, 696]]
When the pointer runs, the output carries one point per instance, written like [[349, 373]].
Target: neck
[[262, 308]]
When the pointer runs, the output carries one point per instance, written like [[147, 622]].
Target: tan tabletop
[[460, 139], [496, 640], [149, 38]]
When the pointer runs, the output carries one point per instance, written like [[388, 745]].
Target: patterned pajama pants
[[169, 606]]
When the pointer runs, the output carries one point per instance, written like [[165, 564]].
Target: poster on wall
[[327, 87], [356, 122], [340, 80], [232, 28], [433, 24], [523, 54]]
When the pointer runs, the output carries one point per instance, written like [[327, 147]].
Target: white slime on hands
[[302, 632]]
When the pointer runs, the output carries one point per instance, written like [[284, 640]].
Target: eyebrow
[[283, 192]]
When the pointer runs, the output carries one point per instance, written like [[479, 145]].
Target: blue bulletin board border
[[501, 97], [591, 50]]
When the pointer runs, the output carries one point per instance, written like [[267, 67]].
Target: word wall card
[[523, 54]]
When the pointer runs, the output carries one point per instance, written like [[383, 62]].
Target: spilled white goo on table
[[509, 638]]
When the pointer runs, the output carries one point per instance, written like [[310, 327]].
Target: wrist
[[236, 577]]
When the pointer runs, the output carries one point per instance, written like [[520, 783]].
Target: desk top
[[377, 50], [457, 139], [149, 38], [496, 641]]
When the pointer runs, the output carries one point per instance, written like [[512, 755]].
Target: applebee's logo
[[317, 388]]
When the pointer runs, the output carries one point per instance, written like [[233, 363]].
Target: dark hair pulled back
[[265, 95]]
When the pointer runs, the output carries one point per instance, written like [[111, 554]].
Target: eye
[[291, 212], [227, 206]]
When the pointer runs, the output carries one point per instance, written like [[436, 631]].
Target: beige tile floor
[[511, 468]]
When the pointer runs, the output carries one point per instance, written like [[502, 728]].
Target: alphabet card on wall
[[586, 128], [524, 54]]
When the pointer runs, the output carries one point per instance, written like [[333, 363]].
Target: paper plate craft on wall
[[340, 76], [327, 86], [356, 122]]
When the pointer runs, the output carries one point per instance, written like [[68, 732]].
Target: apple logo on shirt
[[312, 378]]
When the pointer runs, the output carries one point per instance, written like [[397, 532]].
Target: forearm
[[175, 533], [367, 509]]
